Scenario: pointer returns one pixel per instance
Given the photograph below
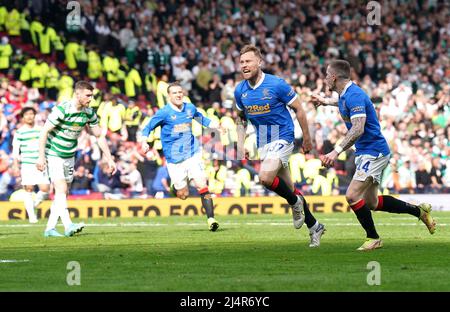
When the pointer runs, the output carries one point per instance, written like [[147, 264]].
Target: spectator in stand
[[423, 179], [149, 167], [406, 178], [436, 174], [134, 180], [82, 181], [161, 183], [410, 87]]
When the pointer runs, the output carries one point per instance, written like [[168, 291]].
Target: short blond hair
[[251, 48], [173, 84]]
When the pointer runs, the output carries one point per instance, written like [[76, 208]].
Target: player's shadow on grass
[[206, 230]]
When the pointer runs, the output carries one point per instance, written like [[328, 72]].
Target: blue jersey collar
[[346, 87], [258, 83], [176, 108]]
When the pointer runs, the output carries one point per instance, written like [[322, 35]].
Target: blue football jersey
[[355, 103], [176, 130], [265, 106]]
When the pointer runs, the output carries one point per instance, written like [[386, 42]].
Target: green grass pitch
[[248, 253]]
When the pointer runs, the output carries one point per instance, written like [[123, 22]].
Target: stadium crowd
[[132, 50]]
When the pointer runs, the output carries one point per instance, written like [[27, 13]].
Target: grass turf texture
[[247, 253]]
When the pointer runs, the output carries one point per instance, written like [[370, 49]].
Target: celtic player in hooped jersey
[[57, 147], [25, 153]]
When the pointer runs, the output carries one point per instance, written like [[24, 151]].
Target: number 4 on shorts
[[365, 167]]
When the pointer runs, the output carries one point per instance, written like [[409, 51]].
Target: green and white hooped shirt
[[26, 144], [69, 122]]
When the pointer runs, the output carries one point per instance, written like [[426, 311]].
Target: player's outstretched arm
[[301, 117], [48, 126], [351, 137], [154, 122], [318, 100], [97, 132]]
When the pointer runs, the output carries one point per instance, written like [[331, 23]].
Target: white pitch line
[[142, 224], [13, 261]]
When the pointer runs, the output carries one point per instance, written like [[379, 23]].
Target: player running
[[372, 155], [26, 152], [263, 100], [181, 148], [57, 145]]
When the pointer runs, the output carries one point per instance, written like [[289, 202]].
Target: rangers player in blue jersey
[[181, 148], [372, 154], [263, 100]]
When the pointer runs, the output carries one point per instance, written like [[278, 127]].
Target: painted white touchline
[[140, 224], [13, 261]]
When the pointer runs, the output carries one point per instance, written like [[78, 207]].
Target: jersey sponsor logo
[[183, 127], [70, 132], [257, 109], [266, 95]]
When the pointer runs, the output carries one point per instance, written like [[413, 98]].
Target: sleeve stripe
[[237, 106], [292, 100], [358, 115]]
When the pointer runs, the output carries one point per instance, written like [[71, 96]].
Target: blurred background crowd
[[130, 50]]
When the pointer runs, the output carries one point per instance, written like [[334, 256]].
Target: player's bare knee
[[352, 197], [266, 182], [44, 188], [266, 179], [29, 188], [183, 193]]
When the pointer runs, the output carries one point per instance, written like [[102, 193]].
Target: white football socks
[[61, 206], [29, 206], [53, 218], [40, 197]]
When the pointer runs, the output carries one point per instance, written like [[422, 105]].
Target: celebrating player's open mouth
[[247, 73], [177, 97]]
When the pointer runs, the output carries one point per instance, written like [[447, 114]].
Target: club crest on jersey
[[173, 117], [266, 94], [76, 127], [189, 113]]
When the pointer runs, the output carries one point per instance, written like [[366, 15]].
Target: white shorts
[[32, 176], [60, 168], [279, 149], [370, 166], [189, 169]]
